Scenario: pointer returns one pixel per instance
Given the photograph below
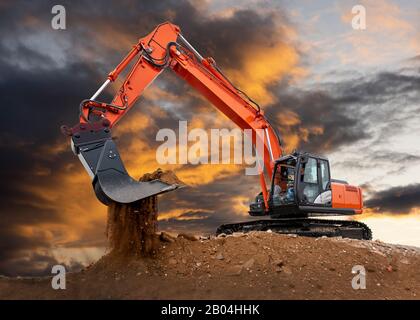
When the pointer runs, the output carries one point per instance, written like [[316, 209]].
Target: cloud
[[27, 255], [396, 200], [335, 114]]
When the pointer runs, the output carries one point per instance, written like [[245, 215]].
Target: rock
[[379, 253], [221, 235], [165, 237], [187, 236], [249, 264], [172, 261], [238, 234], [220, 256], [235, 270], [287, 270]]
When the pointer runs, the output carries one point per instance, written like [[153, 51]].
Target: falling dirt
[[131, 228]]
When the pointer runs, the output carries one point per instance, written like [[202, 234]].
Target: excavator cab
[[301, 186]]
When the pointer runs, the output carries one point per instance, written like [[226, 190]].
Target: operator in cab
[[283, 191]]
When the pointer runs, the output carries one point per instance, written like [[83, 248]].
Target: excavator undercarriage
[[308, 227]]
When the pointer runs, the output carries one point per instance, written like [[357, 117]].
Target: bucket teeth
[[111, 181]]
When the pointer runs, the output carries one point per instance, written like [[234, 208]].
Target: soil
[[257, 265], [166, 176]]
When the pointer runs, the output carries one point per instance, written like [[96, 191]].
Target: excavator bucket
[[111, 181]]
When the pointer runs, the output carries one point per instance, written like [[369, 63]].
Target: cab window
[[311, 174], [310, 181]]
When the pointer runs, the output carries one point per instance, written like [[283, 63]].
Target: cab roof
[[298, 154]]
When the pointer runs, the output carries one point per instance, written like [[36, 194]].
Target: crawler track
[[307, 227]]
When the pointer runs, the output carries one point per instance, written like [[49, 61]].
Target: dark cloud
[[377, 89], [203, 223], [34, 264], [329, 124], [23, 255], [219, 200], [348, 111], [398, 200]]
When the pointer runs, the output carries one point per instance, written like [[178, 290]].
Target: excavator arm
[[164, 48]]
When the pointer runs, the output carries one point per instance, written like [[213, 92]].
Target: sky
[[351, 95]]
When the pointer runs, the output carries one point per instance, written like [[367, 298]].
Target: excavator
[[301, 185]]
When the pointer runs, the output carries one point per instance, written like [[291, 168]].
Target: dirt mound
[[258, 265], [142, 264]]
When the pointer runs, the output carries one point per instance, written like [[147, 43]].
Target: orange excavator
[[301, 186]]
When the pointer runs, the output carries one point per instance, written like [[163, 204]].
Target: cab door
[[308, 180], [314, 182], [325, 193]]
